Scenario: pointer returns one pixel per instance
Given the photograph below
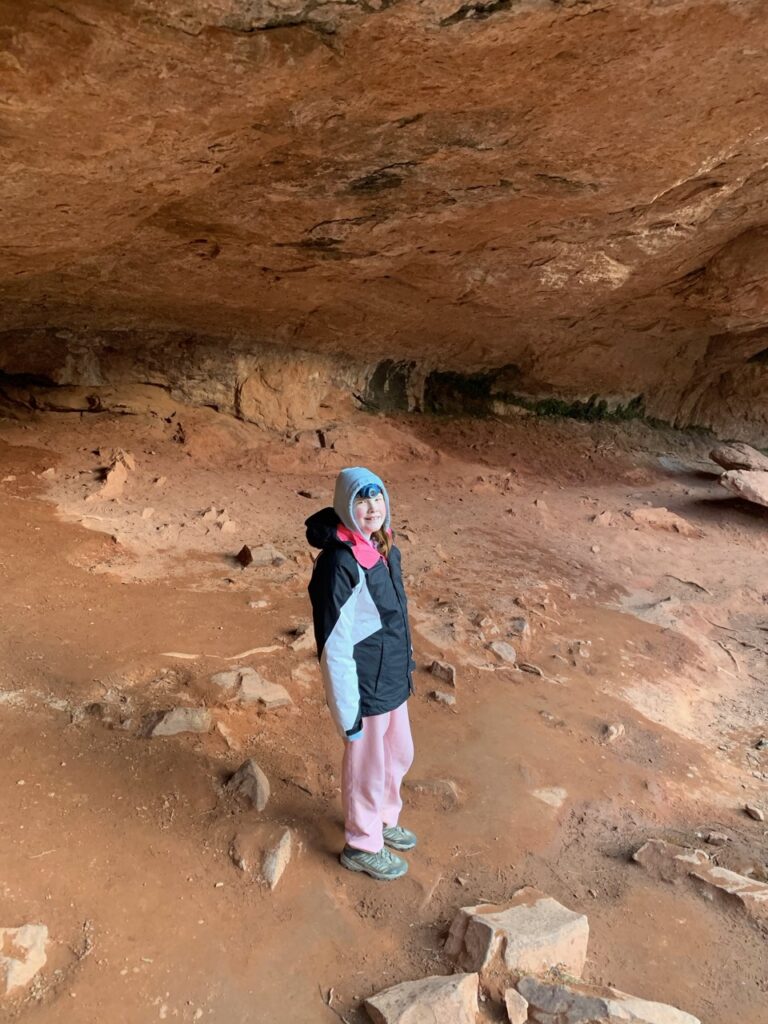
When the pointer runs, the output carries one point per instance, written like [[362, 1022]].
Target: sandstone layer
[[567, 195]]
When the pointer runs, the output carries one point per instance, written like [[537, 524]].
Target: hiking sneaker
[[399, 838], [382, 865]]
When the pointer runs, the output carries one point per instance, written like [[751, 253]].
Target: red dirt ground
[[120, 844]]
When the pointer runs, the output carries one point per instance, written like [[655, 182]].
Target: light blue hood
[[348, 483]]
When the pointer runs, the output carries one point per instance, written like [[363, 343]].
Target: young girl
[[363, 639]]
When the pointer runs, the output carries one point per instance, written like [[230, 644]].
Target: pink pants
[[371, 773]]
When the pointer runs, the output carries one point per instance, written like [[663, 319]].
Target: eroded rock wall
[[573, 189]]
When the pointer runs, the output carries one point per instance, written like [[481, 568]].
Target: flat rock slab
[[739, 456], [22, 955], [434, 1000], [753, 486], [182, 720], [671, 862], [555, 796], [560, 1003], [442, 791], [245, 685], [662, 519], [533, 933], [249, 781]]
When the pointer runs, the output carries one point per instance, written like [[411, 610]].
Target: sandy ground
[[120, 843]]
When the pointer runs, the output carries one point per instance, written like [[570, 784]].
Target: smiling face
[[370, 513]]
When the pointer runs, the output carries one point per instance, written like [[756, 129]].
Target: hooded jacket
[[360, 613]]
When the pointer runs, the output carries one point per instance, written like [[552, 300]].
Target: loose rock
[[24, 955], [756, 813], [443, 671], [504, 651], [739, 456], [568, 1003], [555, 796], [250, 782], [434, 1000], [671, 862], [263, 851], [443, 698], [516, 1006], [244, 556], [750, 485], [246, 686], [612, 732], [182, 720], [532, 933], [663, 519]]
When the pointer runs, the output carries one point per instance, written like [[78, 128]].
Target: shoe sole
[[354, 866]]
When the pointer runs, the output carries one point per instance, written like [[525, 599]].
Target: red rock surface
[[572, 188]]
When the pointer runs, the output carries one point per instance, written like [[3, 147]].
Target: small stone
[[440, 999], [22, 955], [182, 720], [443, 671], [762, 743], [48, 474], [147, 513], [443, 698], [316, 495], [276, 859], [249, 781], [160, 480], [555, 796], [228, 526], [532, 670], [516, 1006], [595, 549], [603, 518], [520, 628], [258, 604], [504, 651], [716, 838], [532, 933], [266, 555], [612, 732], [757, 813], [244, 556]]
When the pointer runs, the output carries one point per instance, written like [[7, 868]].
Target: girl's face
[[370, 514]]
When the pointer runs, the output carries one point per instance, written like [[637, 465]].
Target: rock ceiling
[[572, 188]]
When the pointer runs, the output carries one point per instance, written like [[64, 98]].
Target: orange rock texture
[[571, 190]]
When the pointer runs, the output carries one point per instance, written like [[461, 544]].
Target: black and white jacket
[[360, 616]]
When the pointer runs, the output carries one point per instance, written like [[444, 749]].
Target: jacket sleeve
[[334, 590]]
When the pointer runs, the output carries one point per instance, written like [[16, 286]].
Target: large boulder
[[531, 934], [752, 485], [22, 955], [435, 1000], [739, 456], [558, 1002]]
